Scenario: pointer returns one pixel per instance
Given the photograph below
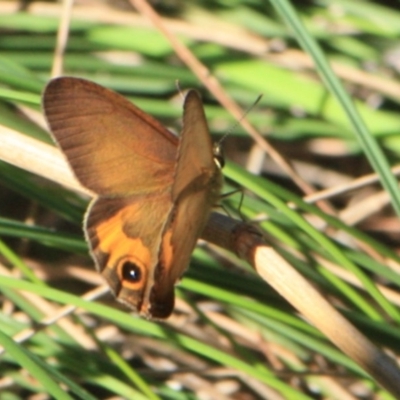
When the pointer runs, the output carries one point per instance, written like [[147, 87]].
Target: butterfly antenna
[[240, 120], [179, 89]]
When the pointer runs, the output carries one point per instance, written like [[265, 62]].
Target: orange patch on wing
[[120, 247], [167, 249]]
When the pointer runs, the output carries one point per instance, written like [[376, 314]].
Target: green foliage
[[239, 332]]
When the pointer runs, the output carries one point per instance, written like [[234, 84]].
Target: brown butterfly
[[155, 191]]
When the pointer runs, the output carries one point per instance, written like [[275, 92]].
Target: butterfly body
[[154, 191]]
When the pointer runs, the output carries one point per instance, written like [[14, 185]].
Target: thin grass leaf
[[369, 145]]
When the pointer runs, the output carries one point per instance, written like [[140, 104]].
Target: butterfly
[[154, 191]]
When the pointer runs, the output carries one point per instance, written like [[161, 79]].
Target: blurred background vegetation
[[231, 336]]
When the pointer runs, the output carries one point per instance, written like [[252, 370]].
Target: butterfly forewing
[[195, 190], [112, 146]]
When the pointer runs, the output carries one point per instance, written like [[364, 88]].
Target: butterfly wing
[[112, 146], [128, 159], [124, 235], [195, 191]]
